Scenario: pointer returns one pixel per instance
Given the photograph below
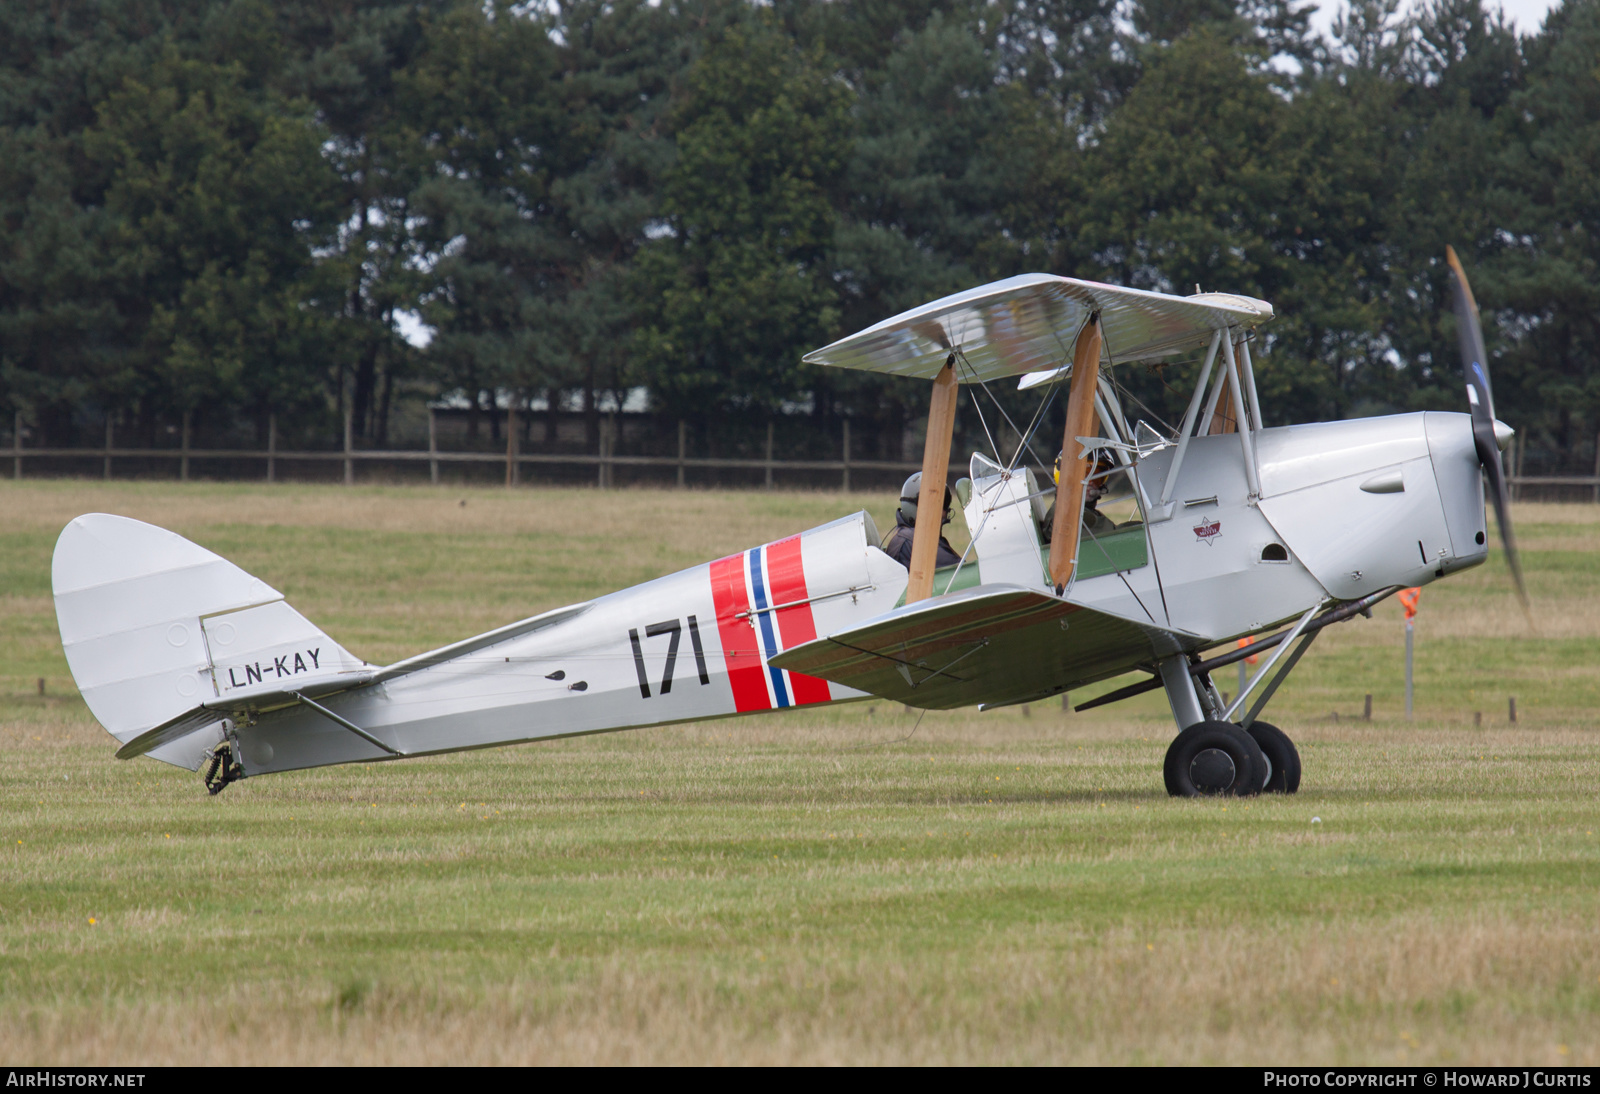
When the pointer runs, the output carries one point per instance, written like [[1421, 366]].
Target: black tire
[[1284, 758], [1214, 758]]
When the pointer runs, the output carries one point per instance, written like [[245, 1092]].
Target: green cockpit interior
[[1127, 548]]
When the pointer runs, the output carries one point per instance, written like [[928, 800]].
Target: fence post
[[272, 447], [511, 440], [1521, 454], [433, 447], [16, 445], [608, 446], [683, 447], [1508, 461], [769, 454], [349, 447], [108, 448], [1597, 468], [183, 462], [845, 483]]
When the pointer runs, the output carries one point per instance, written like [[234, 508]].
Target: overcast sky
[[1527, 15]]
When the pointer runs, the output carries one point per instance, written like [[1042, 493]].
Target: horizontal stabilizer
[[238, 705], [992, 644]]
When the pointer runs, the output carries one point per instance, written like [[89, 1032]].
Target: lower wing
[[990, 645]]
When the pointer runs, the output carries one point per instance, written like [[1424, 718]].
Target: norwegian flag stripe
[[768, 629], [796, 625], [743, 660], [744, 590]]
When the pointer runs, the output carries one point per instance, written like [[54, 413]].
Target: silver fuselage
[[1345, 509]]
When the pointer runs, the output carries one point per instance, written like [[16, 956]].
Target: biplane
[[1236, 529]]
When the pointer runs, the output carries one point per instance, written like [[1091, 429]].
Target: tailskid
[[222, 767]]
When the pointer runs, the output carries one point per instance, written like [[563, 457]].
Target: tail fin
[[154, 625]]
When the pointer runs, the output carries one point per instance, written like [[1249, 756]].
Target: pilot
[[898, 545], [1095, 522]]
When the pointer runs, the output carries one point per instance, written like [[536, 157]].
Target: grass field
[[1010, 887]]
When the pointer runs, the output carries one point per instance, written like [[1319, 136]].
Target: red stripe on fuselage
[[739, 650], [795, 623]]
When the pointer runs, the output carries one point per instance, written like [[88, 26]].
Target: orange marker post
[[1245, 643], [1408, 601]]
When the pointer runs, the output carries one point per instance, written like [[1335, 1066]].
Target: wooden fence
[[1518, 482], [604, 461]]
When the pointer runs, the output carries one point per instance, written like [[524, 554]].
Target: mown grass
[[1004, 887]]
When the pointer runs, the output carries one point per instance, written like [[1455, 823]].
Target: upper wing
[[993, 644], [1027, 323]]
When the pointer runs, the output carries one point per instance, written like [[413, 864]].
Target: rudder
[[153, 625]]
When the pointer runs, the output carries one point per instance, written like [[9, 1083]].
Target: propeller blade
[[1469, 332], [1502, 516], [1480, 397]]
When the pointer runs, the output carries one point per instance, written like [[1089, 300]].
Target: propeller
[[1475, 368]]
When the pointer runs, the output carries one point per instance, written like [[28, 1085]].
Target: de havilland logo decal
[[1208, 530]]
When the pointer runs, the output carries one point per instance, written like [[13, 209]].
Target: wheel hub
[[1212, 771]]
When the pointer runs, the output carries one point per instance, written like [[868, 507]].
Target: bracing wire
[[1124, 394], [978, 408], [1015, 456], [1026, 437], [1038, 419]]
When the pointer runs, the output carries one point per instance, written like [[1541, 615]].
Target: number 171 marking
[[673, 627]]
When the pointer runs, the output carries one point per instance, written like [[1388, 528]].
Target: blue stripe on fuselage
[[769, 640]]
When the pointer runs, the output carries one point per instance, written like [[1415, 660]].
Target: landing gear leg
[[1181, 694]]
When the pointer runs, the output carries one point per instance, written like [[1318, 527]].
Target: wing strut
[[1163, 509], [1075, 462], [1246, 441], [935, 480]]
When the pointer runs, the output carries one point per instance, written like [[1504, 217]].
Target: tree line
[[231, 208]]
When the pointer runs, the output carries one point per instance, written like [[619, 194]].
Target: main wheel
[[1284, 758], [1212, 758]]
